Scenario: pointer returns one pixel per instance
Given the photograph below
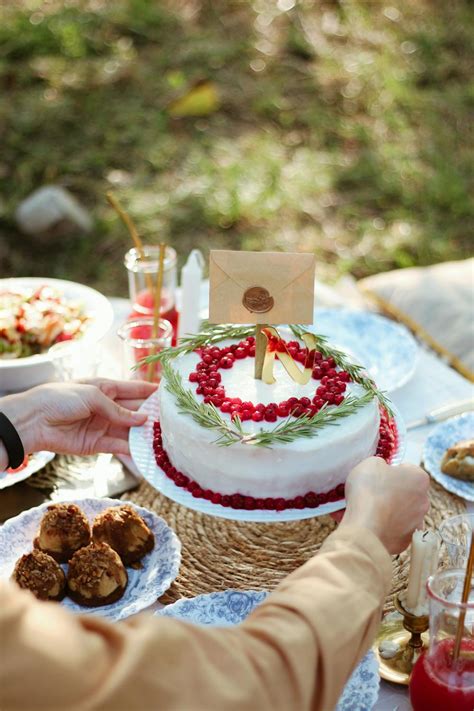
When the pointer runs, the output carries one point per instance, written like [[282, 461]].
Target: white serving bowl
[[21, 373]]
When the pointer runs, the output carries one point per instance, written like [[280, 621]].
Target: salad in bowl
[[32, 319], [37, 314]]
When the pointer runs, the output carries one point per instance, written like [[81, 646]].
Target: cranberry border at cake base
[[141, 449]]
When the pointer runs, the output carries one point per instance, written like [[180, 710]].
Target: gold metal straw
[[465, 597], [157, 303], [128, 222]]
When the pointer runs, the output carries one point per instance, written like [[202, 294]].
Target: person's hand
[[78, 418], [389, 500]]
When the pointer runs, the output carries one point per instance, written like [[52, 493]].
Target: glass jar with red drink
[[142, 268], [142, 338], [438, 682]]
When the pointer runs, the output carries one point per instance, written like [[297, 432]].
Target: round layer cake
[[319, 463]]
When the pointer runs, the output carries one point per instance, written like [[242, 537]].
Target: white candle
[[423, 563], [191, 277]]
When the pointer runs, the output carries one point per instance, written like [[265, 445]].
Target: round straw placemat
[[218, 554]]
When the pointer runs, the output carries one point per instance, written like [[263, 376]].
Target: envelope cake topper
[[257, 287]]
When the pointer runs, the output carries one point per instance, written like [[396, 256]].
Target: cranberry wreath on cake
[[288, 440]]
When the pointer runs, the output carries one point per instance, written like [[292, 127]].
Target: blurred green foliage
[[344, 128]]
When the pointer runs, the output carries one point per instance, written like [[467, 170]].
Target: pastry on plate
[[64, 529], [125, 531], [458, 460], [41, 574], [96, 576]]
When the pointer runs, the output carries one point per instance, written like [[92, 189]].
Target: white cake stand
[[141, 449]]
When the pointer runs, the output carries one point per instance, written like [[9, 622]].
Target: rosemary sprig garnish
[[210, 335], [232, 432], [308, 425], [357, 372], [204, 414]]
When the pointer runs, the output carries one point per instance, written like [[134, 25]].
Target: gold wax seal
[[257, 300]]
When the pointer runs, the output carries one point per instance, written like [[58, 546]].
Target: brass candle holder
[[399, 644]]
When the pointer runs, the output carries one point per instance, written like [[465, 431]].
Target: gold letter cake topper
[[275, 344], [257, 300]]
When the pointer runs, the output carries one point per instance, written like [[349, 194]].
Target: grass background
[[343, 128]]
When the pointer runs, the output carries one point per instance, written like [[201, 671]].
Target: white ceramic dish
[[141, 448], [160, 566], [36, 462], [21, 373]]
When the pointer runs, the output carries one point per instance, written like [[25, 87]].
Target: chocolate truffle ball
[[63, 530], [39, 573], [125, 531], [96, 576]]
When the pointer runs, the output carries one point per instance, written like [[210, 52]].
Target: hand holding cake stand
[[258, 424]]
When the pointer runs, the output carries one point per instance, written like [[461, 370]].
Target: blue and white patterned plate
[[443, 436], [385, 348], [233, 606], [218, 608], [362, 690], [160, 567]]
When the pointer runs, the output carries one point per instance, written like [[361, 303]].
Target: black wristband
[[11, 440]]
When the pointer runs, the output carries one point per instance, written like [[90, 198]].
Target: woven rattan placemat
[[218, 554]]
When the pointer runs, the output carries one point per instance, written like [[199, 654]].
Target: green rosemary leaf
[[204, 414], [357, 372], [207, 416], [307, 426], [209, 335]]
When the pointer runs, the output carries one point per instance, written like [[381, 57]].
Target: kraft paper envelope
[[261, 287]]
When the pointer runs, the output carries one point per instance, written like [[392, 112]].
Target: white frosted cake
[[307, 468]]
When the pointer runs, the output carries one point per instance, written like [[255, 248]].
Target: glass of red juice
[[139, 341], [438, 682], [142, 269]]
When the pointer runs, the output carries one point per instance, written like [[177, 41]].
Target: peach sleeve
[[293, 653]]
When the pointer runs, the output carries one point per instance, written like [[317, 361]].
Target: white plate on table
[[21, 373], [441, 438], [141, 449], [224, 609], [160, 566], [36, 462], [385, 348]]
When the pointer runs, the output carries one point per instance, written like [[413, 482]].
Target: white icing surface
[[315, 464]]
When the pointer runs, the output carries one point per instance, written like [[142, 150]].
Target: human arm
[[76, 418], [294, 652]]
